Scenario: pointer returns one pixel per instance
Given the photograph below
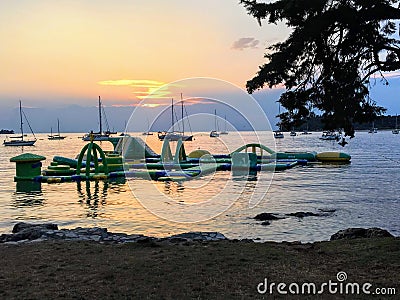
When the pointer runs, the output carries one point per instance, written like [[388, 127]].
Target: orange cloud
[[143, 88], [132, 82]]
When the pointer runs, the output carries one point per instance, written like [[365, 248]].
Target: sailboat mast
[[183, 123], [279, 114], [20, 115], [101, 128], [215, 119], [172, 115], [58, 126], [225, 123]]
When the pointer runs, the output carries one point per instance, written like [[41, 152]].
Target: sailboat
[[56, 136], [278, 134], [97, 136], [148, 128], [19, 140], [108, 131], [175, 135], [224, 131], [215, 133], [373, 129], [293, 132], [395, 131], [305, 131]]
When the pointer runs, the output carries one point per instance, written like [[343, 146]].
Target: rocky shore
[[33, 233]]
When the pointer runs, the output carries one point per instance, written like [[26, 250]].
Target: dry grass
[[214, 270]]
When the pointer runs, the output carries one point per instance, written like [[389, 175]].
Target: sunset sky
[[75, 50], [60, 53]]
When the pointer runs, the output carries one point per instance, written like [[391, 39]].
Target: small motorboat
[[214, 134], [147, 133], [330, 136], [278, 134]]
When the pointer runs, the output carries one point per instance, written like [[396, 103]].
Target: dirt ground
[[200, 270]]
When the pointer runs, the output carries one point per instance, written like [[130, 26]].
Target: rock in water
[[302, 214], [266, 217], [22, 226], [355, 233]]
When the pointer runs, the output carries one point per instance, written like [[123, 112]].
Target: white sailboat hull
[[55, 137], [19, 143], [19, 140], [173, 136], [96, 137]]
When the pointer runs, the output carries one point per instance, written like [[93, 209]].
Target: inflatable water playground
[[132, 157]]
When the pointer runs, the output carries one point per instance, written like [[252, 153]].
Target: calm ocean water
[[364, 193]]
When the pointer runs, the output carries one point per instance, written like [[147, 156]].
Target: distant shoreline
[[6, 131], [203, 132]]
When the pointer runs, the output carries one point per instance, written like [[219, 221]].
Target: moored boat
[[395, 130], [278, 134], [56, 136], [97, 136], [19, 140], [224, 131], [373, 129], [330, 136], [175, 135], [214, 133], [305, 132]]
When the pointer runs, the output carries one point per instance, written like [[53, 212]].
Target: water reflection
[[244, 175], [173, 187], [28, 193], [90, 198], [93, 195], [117, 185]]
